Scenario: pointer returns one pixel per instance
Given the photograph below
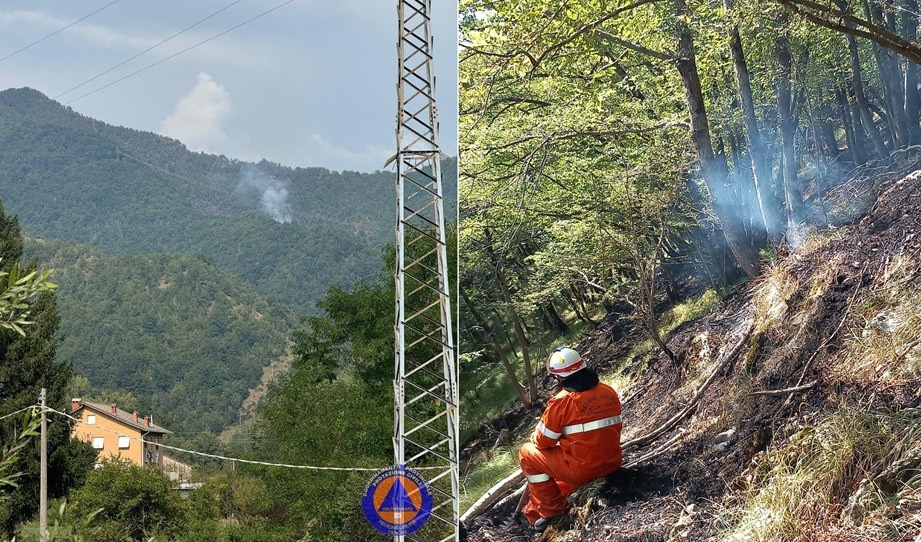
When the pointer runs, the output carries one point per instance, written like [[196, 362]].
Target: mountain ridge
[[291, 232]]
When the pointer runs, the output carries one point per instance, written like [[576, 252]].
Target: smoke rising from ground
[[272, 193]]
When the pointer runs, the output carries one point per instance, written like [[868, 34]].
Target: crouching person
[[576, 441]]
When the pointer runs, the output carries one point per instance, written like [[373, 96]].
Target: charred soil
[[815, 324]]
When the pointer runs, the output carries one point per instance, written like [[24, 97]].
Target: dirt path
[[278, 367]]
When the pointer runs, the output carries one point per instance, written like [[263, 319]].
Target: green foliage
[[574, 176], [127, 503], [28, 362], [355, 330], [183, 338], [688, 311], [9, 455], [231, 507], [20, 289], [485, 472], [335, 408], [130, 192]]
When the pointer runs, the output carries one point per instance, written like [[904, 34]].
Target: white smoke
[[275, 203], [273, 195]]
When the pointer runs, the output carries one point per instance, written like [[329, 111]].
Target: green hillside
[[185, 338], [291, 233]]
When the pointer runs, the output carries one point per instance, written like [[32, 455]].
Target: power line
[[174, 55], [236, 459], [58, 31], [11, 414], [151, 48]]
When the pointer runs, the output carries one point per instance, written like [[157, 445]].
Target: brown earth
[[804, 308]]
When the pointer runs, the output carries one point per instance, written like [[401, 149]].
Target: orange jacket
[[588, 449]]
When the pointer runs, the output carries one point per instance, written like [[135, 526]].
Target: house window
[[124, 442], [91, 419], [99, 442]]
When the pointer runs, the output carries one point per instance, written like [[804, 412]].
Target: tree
[[129, 502], [335, 408], [586, 126], [760, 158], [841, 20], [28, 363]]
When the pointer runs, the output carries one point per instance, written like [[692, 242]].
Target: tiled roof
[[124, 417]]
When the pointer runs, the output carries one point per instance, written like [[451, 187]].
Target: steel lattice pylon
[[425, 386]]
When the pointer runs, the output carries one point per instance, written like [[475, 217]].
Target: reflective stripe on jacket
[[586, 425]]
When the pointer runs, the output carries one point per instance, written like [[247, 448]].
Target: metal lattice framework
[[425, 387]]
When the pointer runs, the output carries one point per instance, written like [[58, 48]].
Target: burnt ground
[[675, 494]]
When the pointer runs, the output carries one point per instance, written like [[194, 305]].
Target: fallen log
[[513, 481], [510, 482]]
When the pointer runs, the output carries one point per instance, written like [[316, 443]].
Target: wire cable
[[237, 459], [11, 414], [58, 31], [174, 55], [151, 48]]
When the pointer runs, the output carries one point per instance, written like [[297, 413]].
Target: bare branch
[[607, 36], [590, 27], [785, 391], [846, 23]]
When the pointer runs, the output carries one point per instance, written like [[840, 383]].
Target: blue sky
[[311, 84]]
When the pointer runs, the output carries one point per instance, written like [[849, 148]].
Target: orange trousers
[[548, 497]]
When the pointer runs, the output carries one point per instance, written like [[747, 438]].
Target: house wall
[[107, 428], [152, 452]]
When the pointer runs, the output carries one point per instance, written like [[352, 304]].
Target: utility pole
[[43, 477], [425, 386]]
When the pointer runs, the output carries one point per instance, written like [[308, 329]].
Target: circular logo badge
[[397, 501]]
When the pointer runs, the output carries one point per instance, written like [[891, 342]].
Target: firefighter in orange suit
[[576, 441]]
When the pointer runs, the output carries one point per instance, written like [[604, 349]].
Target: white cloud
[[197, 118]]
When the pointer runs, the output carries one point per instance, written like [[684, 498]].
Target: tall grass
[[807, 490], [485, 472]]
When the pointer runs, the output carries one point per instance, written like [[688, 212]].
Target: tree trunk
[[761, 160], [580, 301], [570, 300], [559, 324], [714, 171], [792, 197], [863, 105], [912, 98], [890, 75], [742, 166], [854, 146], [517, 324], [496, 347], [827, 131]]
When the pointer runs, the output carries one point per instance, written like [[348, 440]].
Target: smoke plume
[[272, 193]]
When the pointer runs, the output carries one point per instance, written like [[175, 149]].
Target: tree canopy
[[616, 152]]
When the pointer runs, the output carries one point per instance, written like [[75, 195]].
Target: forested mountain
[[289, 232], [185, 338]]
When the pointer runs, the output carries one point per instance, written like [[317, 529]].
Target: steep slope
[[810, 428], [290, 232], [185, 338]]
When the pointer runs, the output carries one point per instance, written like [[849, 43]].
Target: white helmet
[[564, 362]]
